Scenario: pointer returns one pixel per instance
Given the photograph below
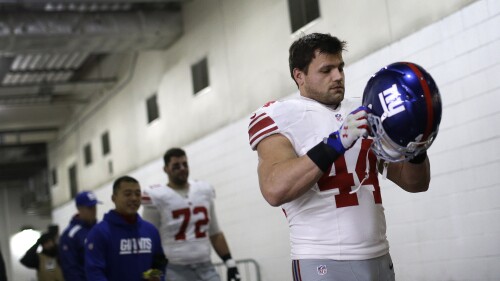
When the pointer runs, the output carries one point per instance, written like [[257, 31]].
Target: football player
[[184, 213], [316, 162]]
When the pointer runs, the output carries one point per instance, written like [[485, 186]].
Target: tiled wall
[[452, 231]]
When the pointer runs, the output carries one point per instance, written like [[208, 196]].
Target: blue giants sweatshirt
[[117, 250], [72, 249]]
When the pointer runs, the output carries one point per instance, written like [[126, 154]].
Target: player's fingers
[[364, 132], [361, 108], [364, 127], [360, 123], [360, 115]]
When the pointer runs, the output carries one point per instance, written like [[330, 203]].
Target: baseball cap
[[86, 198]]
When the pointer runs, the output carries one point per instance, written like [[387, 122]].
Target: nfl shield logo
[[339, 117], [322, 270]]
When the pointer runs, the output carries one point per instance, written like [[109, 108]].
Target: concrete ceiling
[[51, 59]]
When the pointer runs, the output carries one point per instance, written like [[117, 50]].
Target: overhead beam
[[25, 32], [79, 83], [43, 100], [29, 130], [27, 136]]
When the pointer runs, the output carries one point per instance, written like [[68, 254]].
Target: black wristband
[[420, 158], [226, 257], [323, 156]]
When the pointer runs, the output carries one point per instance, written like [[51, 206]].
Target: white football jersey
[[327, 222], [184, 221]]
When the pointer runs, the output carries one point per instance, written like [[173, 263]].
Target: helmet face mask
[[385, 148], [405, 111]]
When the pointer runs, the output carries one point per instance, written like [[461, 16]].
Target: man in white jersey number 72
[[184, 213]]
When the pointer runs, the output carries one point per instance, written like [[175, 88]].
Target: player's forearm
[[219, 244], [285, 181], [411, 177]]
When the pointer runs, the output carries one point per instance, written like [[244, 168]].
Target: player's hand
[[152, 275], [354, 126], [233, 274]]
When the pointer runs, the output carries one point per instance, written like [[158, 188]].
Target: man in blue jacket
[[123, 246], [72, 241]]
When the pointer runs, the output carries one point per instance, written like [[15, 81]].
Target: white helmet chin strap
[[367, 173]]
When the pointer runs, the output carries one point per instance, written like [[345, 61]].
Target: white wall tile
[[475, 13], [493, 7], [451, 25]]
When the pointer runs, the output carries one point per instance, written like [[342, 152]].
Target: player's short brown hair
[[301, 52], [173, 152]]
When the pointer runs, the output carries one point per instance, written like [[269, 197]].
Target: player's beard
[[333, 95], [180, 179]]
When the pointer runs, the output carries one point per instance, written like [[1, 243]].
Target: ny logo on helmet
[[390, 100]]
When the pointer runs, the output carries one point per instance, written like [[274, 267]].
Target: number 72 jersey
[[185, 223], [328, 222]]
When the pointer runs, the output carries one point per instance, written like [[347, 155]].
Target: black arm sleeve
[[31, 259], [323, 156]]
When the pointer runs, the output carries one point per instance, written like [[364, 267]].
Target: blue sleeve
[[70, 256], [95, 255]]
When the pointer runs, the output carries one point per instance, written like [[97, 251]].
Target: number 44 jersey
[[183, 220], [328, 221]]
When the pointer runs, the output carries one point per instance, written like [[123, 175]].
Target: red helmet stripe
[[428, 100]]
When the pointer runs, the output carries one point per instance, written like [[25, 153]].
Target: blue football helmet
[[405, 111]]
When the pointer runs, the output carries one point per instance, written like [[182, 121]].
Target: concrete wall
[[448, 233]]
